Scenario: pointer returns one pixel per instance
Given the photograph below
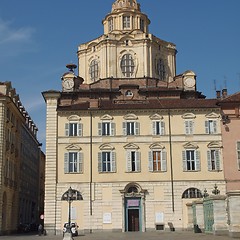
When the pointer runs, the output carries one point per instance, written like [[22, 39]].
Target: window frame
[[213, 158], [131, 128], [94, 70], [133, 160], [109, 131], [73, 132], [126, 21], [106, 162], [211, 126], [189, 127], [110, 24], [191, 164], [162, 161], [77, 161], [161, 69], [192, 193], [127, 65], [158, 127]]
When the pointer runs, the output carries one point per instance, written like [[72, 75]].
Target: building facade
[[19, 162], [137, 141]]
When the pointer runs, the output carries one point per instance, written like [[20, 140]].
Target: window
[[110, 24], [131, 128], [127, 65], [106, 129], [126, 22], [73, 129], [161, 69], [157, 161], [93, 70], [211, 126], [142, 24], [73, 162], [189, 127], [129, 93], [106, 161], [213, 157], [133, 161], [191, 160], [158, 127], [192, 193]]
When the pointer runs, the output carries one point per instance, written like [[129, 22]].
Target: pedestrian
[[40, 229]]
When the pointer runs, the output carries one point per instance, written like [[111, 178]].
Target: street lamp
[[70, 195]]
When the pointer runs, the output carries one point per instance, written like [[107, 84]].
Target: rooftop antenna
[[225, 82], [215, 85]]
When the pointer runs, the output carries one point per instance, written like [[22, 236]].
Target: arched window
[[93, 70], [127, 65], [192, 193], [75, 195], [161, 69]]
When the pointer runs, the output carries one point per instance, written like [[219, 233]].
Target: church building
[[134, 140]]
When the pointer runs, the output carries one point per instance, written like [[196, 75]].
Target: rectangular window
[[157, 161], [110, 24], [106, 162], [141, 24], [126, 22], [211, 126], [73, 129], [213, 160], [130, 128], [73, 162], [133, 161], [191, 160], [238, 155], [189, 127], [158, 128], [106, 129]]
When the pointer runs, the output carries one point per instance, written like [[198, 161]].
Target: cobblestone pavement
[[126, 236]]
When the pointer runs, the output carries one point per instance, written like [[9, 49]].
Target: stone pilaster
[[51, 98], [220, 226], [234, 213]]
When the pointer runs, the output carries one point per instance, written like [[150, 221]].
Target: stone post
[[234, 213]]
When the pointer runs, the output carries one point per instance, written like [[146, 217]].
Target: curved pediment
[[74, 118], [214, 145], [130, 116], [188, 116], [106, 147], [131, 146], [156, 146], [190, 145], [212, 115]]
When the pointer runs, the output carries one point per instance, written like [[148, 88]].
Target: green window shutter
[[66, 129], [113, 129], [209, 160], [80, 129], [137, 128], [113, 157], [129, 161], [206, 127], [198, 165], [100, 162], [150, 161], [99, 129], [184, 160], [154, 123], [164, 161], [162, 128], [124, 125], [80, 162], [138, 161], [215, 126], [66, 160], [217, 155]]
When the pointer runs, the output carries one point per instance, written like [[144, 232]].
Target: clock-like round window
[[127, 65], [94, 70]]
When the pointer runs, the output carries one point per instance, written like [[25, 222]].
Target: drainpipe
[[171, 159], [90, 186]]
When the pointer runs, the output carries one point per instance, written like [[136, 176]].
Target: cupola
[[126, 17]]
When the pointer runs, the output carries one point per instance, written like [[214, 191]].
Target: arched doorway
[[133, 197]]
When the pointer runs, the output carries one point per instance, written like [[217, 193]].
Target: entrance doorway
[[133, 220]]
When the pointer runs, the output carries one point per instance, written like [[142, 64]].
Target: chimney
[[224, 93], [218, 93]]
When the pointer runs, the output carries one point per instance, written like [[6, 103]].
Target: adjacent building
[[133, 138], [19, 162]]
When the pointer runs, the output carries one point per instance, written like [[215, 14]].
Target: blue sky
[[39, 37]]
